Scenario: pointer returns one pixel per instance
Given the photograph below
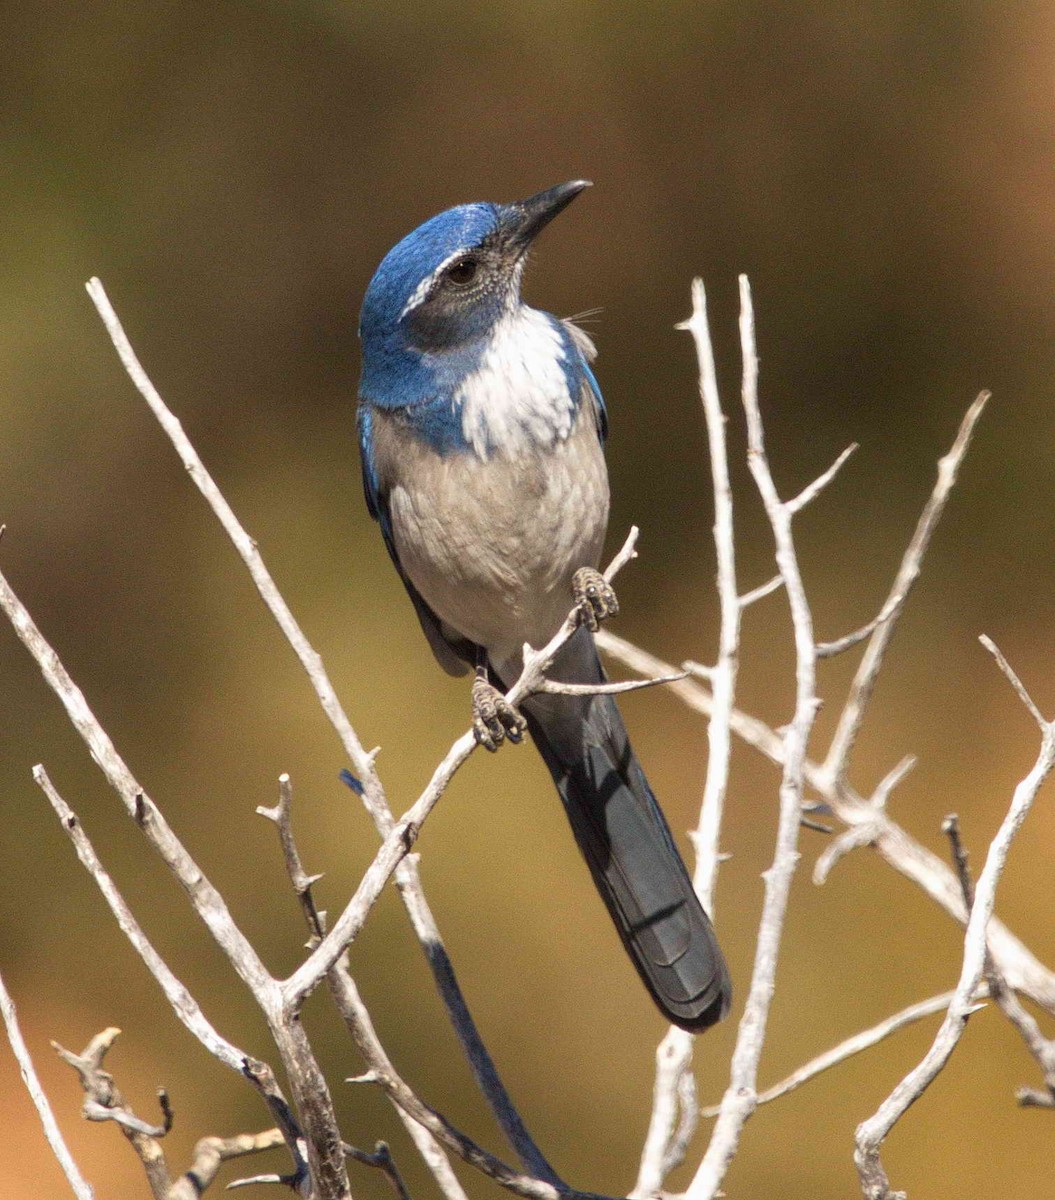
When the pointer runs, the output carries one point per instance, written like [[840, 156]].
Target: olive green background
[[234, 172]]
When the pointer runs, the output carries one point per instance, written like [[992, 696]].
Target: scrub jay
[[482, 427]]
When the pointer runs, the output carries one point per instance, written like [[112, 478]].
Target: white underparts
[[517, 397]]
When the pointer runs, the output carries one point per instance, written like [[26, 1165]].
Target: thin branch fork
[[1042, 1048], [346, 995], [81, 1187], [871, 1133], [183, 1004], [309, 1087], [407, 878], [894, 844], [740, 1099], [850, 1047], [836, 764], [674, 1109], [104, 1102], [398, 844]]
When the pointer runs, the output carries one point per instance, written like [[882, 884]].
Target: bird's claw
[[494, 718], [594, 597]]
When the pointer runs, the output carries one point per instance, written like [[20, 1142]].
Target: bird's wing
[[453, 654], [585, 352]]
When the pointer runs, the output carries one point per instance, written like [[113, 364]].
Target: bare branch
[[813, 490], [282, 817], [383, 1160], [245, 545], [866, 828], [840, 645], [181, 1001], [890, 781], [179, 998], [207, 901], [339, 978], [700, 670], [672, 1110], [837, 762], [404, 834], [759, 593], [382, 1072], [212, 1152], [555, 688], [870, 1133], [849, 1048], [852, 838], [407, 879], [1013, 679], [1042, 1048], [103, 1102], [894, 844], [81, 1188], [741, 1098], [723, 675], [665, 1142]]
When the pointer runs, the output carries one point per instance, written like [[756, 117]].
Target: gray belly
[[492, 546]]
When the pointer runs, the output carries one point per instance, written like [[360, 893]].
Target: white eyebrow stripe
[[425, 286]]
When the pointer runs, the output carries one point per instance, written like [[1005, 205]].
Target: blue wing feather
[[599, 405]]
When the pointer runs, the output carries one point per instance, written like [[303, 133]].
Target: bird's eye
[[462, 271]]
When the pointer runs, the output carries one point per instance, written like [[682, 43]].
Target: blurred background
[[234, 172]]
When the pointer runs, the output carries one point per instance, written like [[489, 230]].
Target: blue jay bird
[[482, 431]]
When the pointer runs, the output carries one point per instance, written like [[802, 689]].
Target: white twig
[[408, 880], [741, 1099], [895, 845], [759, 593], [399, 842], [871, 1133], [837, 762], [555, 688], [852, 838], [80, 1186], [181, 1001], [840, 645], [723, 674], [311, 1095], [865, 829], [849, 1048], [663, 1149], [342, 986], [1013, 679], [1042, 1048], [244, 544], [207, 901], [813, 490], [673, 1066]]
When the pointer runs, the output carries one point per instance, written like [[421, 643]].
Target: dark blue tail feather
[[628, 847]]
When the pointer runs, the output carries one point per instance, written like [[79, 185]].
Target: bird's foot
[[594, 597], [494, 718]]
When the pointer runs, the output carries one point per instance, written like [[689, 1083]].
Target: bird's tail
[[628, 846]]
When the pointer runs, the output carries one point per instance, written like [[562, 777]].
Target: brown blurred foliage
[[233, 172]]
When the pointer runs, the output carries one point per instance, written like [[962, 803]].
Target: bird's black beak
[[524, 220]]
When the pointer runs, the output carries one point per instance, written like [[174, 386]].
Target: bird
[[481, 429]]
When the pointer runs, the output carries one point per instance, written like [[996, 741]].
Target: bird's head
[[447, 283]]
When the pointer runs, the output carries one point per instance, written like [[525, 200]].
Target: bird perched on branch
[[482, 430]]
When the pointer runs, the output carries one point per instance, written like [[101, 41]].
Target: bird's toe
[[594, 597], [494, 718]]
